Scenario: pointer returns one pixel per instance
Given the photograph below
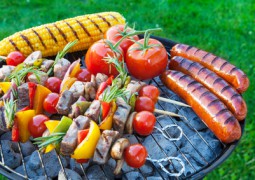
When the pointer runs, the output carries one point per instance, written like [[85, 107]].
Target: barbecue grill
[[198, 148]]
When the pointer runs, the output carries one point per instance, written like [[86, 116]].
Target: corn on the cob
[[51, 38]]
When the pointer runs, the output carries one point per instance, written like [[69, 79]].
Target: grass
[[225, 28]]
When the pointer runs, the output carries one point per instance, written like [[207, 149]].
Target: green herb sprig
[[10, 108]]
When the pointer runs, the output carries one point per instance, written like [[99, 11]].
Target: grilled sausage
[[232, 99], [234, 76], [205, 104]]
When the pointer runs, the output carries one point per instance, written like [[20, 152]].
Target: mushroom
[[129, 123], [117, 151]]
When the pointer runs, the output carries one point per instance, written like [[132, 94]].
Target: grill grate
[[218, 157]]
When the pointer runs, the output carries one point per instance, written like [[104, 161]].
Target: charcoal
[[15, 147], [131, 138], [40, 178], [77, 167], [11, 158], [108, 172], [127, 168], [34, 161], [6, 136], [26, 159], [95, 172], [147, 169], [188, 131], [20, 170], [32, 173], [111, 163], [153, 149], [134, 175], [51, 163], [70, 174], [154, 178], [27, 148]]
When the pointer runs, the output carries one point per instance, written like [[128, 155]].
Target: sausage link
[[234, 76], [205, 104], [226, 93]]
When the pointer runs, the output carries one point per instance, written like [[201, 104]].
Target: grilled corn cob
[[51, 38]]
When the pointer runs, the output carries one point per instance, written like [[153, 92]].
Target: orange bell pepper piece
[[67, 83], [75, 68], [107, 122], [40, 94]]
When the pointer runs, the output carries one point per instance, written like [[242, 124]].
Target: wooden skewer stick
[[173, 101], [167, 113]]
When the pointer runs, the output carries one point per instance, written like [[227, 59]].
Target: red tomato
[[83, 75], [15, 58], [150, 91], [144, 104], [95, 59], [115, 33], [135, 155], [149, 63], [50, 102], [144, 122], [36, 126], [53, 84]]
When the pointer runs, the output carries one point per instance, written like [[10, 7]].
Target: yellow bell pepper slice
[[67, 83], [85, 150], [40, 94], [23, 118], [5, 86], [106, 124], [51, 125]]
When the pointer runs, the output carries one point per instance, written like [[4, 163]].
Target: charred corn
[[51, 38]]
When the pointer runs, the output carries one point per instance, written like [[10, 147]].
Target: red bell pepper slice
[[25, 108], [82, 134], [105, 108], [109, 80], [101, 89], [81, 161], [32, 88], [15, 131]]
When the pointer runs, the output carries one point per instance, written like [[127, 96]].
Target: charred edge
[[99, 153], [213, 102], [189, 47], [105, 20], [233, 70], [225, 88], [39, 37], [191, 65], [204, 94], [61, 32], [223, 65], [221, 112], [217, 81], [14, 45], [96, 25], [27, 41], [214, 60], [196, 51], [191, 83], [114, 17], [208, 75], [183, 77], [74, 32], [52, 35], [200, 70], [235, 96], [205, 56], [230, 119], [84, 28]]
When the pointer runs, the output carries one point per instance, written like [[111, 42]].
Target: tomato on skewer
[[135, 155]]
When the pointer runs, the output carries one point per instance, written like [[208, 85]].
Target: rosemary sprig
[[61, 54], [54, 139], [10, 108], [113, 92]]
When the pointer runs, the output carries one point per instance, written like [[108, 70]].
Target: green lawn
[[225, 28]]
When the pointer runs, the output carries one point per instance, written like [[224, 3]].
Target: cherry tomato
[[50, 102], [15, 58], [150, 91], [135, 155], [95, 59], [53, 84], [149, 63], [83, 75], [144, 104], [144, 122], [115, 33], [36, 126]]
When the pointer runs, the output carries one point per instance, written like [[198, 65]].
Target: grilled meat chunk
[[61, 67], [46, 64], [3, 121], [79, 107], [121, 115], [102, 152], [100, 78], [33, 57], [90, 91], [78, 89], [69, 142], [43, 78], [135, 86], [5, 71], [93, 111], [23, 96], [64, 103]]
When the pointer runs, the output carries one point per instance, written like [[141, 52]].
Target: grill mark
[[182, 59], [174, 73], [84, 28], [61, 32], [39, 37], [74, 32], [232, 70], [217, 80], [105, 20], [183, 77], [196, 51], [235, 96], [208, 75], [27, 41], [14, 45], [191, 83], [99, 153], [225, 88], [196, 89], [51, 34], [221, 112], [190, 66], [95, 24], [190, 47], [213, 102], [114, 17], [222, 66], [200, 70], [230, 119], [206, 56], [204, 94], [214, 60]]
